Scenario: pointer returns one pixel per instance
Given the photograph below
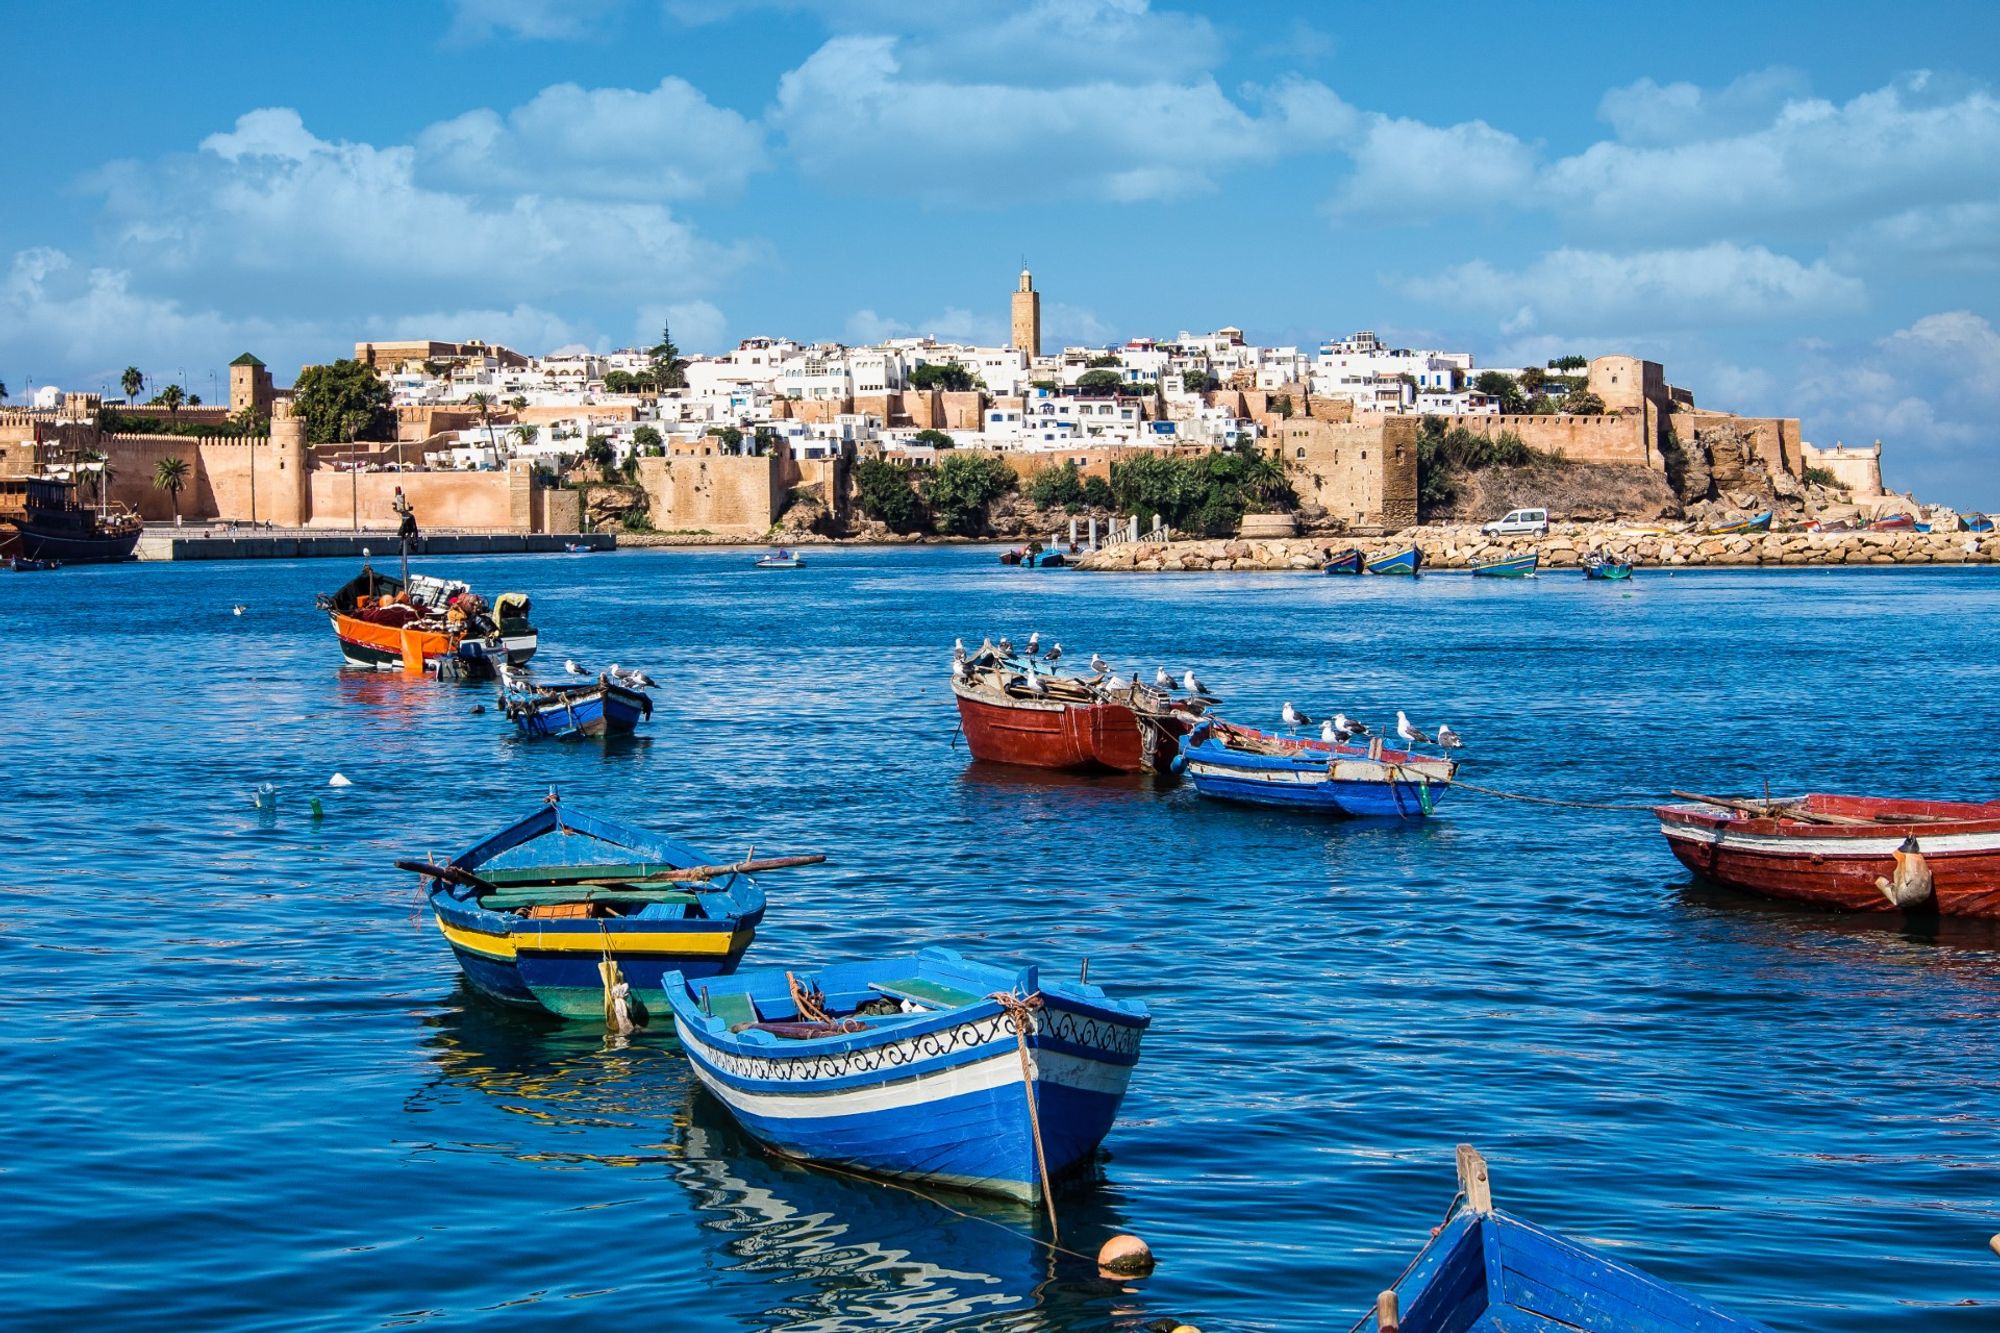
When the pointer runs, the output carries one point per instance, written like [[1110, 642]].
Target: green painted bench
[[925, 992]]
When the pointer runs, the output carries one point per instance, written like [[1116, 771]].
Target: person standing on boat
[[406, 531]]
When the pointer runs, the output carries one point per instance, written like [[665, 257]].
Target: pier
[[215, 543]]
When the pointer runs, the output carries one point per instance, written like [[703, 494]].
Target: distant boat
[[781, 559], [1852, 852], [1371, 781], [41, 518], [578, 548], [1485, 1271], [1401, 562], [1893, 523], [603, 707], [1513, 567], [1974, 523], [1613, 570], [930, 1067], [532, 911], [1347, 562], [22, 564], [1758, 523]]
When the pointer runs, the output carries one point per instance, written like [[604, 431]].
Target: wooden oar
[[1762, 811], [450, 875], [697, 874]]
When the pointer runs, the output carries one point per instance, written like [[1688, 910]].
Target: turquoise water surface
[[244, 1088]]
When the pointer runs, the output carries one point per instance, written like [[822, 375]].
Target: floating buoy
[[1125, 1256], [1995, 1243], [317, 812], [339, 780], [266, 797]]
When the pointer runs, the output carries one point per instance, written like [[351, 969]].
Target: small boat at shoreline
[[533, 911], [1606, 569], [1237, 763], [22, 564], [427, 626], [1409, 561], [603, 707], [1513, 567], [1018, 711], [928, 1067], [1858, 853], [1349, 561], [1756, 523], [578, 548], [1974, 523], [780, 559], [1485, 1271]]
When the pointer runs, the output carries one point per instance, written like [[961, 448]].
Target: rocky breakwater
[[1566, 548]]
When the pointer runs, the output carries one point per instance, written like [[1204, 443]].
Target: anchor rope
[[1550, 800], [1449, 1213], [1021, 1010]]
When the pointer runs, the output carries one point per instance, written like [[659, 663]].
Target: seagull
[[1098, 664], [1162, 679], [1034, 642], [1408, 732], [1329, 733], [569, 665], [1347, 727], [1294, 718], [1055, 654], [1448, 738], [1035, 685], [615, 673], [1191, 685], [640, 678], [958, 650], [238, 609], [958, 668], [986, 646], [1006, 646]]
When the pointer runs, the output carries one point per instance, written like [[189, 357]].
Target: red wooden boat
[[1843, 851], [1071, 724]]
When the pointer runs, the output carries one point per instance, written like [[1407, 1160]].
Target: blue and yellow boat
[[1513, 567], [1755, 523], [1410, 561], [532, 911]]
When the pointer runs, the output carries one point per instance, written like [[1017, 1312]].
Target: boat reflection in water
[[833, 1252]]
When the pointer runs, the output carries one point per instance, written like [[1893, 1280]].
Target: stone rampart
[[728, 495], [440, 499]]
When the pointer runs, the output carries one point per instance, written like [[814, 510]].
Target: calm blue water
[[243, 1088]]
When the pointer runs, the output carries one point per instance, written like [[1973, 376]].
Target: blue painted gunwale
[[1513, 567], [1402, 562], [1264, 779], [603, 709], [1493, 1273], [566, 981]]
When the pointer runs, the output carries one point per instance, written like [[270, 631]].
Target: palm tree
[[484, 402], [169, 475], [131, 382], [171, 398], [524, 435], [3, 391]]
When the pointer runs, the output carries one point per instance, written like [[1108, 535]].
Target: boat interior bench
[[733, 1007], [925, 992]]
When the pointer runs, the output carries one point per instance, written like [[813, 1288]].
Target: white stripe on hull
[[1832, 849]]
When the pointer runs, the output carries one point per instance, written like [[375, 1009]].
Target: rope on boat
[[1550, 800], [1449, 1213], [1022, 1011], [807, 1002]]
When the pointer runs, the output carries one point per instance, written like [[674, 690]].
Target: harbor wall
[[1461, 548], [222, 474], [729, 495], [440, 499]]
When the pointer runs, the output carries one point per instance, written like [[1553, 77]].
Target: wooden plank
[[1473, 1179]]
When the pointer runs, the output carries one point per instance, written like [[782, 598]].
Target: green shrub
[[963, 485], [1054, 486], [884, 493]]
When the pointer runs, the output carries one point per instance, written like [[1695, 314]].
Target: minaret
[[1028, 316]]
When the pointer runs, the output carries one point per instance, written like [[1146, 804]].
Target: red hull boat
[[1833, 850], [1084, 735]]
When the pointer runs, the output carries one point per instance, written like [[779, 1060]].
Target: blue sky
[[1795, 206]]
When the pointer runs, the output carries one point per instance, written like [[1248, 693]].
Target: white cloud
[[524, 328], [698, 326], [1648, 113], [952, 324], [1407, 168], [1647, 290], [544, 20], [666, 142]]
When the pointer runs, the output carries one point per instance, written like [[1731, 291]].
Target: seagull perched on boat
[[958, 668], [1098, 664], [1408, 731], [1161, 679], [1055, 654], [569, 665], [1035, 685], [1347, 727], [641, 679], [1034, 642], [1193, 686], [958, 650], [1294, 718], [1006, 646], [1329, 733], [1448, 738]]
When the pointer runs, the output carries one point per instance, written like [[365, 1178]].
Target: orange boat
[[427, 626], [1014, 714]]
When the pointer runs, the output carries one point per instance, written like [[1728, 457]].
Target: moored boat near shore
[[1485, 1271], [43, 520], [929, 1067], [533, 911], [1407, 561], [1755, 523], [1513, 567], [1860, 853], [1604, 569], [1371, 781], [603, 707], [1349, 561]]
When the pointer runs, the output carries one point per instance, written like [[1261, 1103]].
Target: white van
[[1520, 521]]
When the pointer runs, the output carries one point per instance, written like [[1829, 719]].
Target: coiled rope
[[1021, 1009]]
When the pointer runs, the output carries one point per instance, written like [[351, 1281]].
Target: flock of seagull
[[1336, 730], [634, 679]]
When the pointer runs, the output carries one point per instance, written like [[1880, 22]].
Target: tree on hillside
[[346, 400], [1532, 379], [883, 491], [3, 391], [1583, 403], [962, 488], [171, 398], [1570, 362], [1500, 386], [669, 370], [483, 404], [936, 439], [946, 375], [1108, 361], [1056, 486], [729, 437], [170, 475], [131, 382], [1199, 381], [524, 435], [598, 452], [647, 440], [1100, 381]]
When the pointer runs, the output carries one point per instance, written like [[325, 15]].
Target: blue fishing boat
[[604, 707], [1608, 569], [534, 912], [1347, 562], [1409, 561], [925, 1067], [1974, 523], [1513, 567], [1235, 763], [1757, 523], [1487, 1272], [781, 559], [578, 548]]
